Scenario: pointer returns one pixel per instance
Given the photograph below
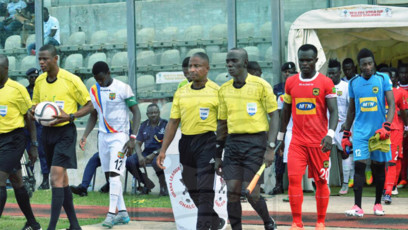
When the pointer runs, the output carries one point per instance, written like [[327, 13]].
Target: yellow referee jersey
[[246, 108], [197, 109], [67, 91], [14, 104]]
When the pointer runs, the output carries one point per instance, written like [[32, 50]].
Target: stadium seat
[[145, 58], [218, 58], [13, 42], [124, 79], [23, 81], [222, 78], [95, 58], [193, 51], [169, 34], [145, 83], [99, 37], [193, 33], [219, 31], [119, 60], [266, 30], [145, 35], [76, 38], [120, 36], [165, 111], [12, 63], [170, 57], [253, 53], [74, 61], [143, 110], [90, 82], [245, 30], [30, 39], [27, 63], [268, 54]]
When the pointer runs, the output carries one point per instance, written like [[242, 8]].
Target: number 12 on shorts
[[118, 164]]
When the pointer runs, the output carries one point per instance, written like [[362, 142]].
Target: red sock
[[296, 198], [322, 200], [397, 171], [389, 179]]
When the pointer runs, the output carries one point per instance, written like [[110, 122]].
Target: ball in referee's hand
[[45, 111]]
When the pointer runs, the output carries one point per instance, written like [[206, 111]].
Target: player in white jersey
[[349, 69], [112, 100], [343, 100]]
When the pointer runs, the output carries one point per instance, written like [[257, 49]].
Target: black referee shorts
[[12, 146], [59, 146], [243, 156]]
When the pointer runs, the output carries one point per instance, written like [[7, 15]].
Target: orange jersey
[[309, 108]]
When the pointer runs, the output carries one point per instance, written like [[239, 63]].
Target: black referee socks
[[56, 205], [23, 201], [261, 208], [69, 208], [3, 198], [234, 214]]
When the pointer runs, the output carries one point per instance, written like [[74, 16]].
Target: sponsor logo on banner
[[316, 91], [169, 77], [112, 96], [3, 110], [358, 13], [305, 106], [252, 108], [368, 104], [204, 112]]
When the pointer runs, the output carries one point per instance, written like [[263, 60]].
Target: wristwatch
[[271, 145], [71, 118], [34, 143]]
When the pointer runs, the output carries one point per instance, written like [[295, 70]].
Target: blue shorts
[[360, 152]]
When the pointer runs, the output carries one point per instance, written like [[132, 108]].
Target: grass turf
[[13, 222]]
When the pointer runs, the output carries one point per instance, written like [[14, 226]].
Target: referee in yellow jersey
[[14, 105], [245, 103], [195, 105], [67, 91]]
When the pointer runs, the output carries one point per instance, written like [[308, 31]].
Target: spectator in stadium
[[253, 68], [403, 83], [151, 133], [10, 25], [397, 134], [286, 70], [198, 117], [242, 126], [51, 32], [112, 100], [185, 72], [311, 144], [368, 93], [349, 69], [26, 17], [32, 75], [59, 140], [343, 100], [15, 104]]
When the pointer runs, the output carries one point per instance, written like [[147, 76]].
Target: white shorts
[[110, 147], [288, 139], [338, 136]]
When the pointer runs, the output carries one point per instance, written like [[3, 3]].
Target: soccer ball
[[45, 111]]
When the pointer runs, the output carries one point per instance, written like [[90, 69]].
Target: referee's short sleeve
[[269, 99], [23, 101], [80, 92], [175, 107], [222, 107]]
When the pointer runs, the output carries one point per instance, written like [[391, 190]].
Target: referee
[[195, 105], [245, 103], [59, 140], [14, 104]]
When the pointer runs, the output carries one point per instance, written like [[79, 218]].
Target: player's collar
[[309, 79]]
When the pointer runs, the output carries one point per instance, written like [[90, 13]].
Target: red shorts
[[396, 145], [301, 156]]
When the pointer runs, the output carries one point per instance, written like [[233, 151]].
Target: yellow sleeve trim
[[287, 98]]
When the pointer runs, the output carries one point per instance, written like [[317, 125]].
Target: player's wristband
[[280, 136], [219, 147], [133, 136], [330, 133], [406, 128]]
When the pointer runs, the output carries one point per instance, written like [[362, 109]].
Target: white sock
[[121, 201], [346, 170], [114, 192]]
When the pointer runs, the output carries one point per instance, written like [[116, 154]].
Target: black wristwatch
[[34, 143], [71, 118]]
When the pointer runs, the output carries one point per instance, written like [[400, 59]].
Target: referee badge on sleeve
[[252, 108], [204, 113], [3, 110]]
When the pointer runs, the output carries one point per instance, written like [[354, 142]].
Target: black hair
[[202, 55], [402, 65], [185, 62], [382, 65], [333, 63], [46, 9], [386, 70], [153, 105], [307, 47], [348, 61], [50, 48], [364, 53], [100, 67], [254, 66], [4, 58]]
